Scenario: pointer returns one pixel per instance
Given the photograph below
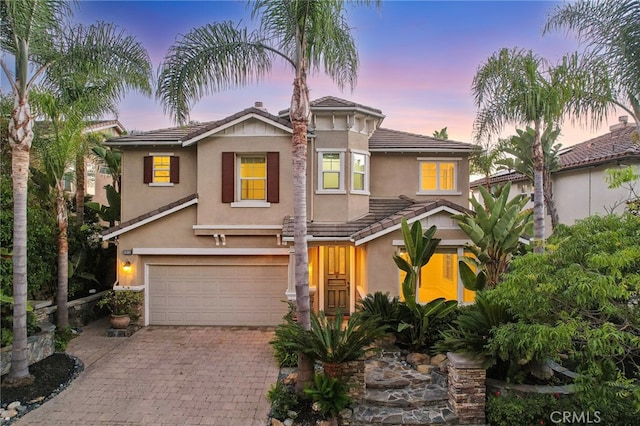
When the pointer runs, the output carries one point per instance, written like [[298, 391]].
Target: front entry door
[[336, 282]]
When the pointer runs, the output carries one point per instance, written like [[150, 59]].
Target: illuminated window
[[437, 176], [359, 172], [330, 171], [253, 177], [161, 169], [438, 278], [91, 179]]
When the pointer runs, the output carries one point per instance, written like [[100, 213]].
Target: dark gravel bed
[[52, 375]]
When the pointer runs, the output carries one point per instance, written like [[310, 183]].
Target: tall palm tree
[[520, 147], [26, 32], [307, 35], [98, 64], [519, 87], [35, 33], [484, 160], [610, 31]]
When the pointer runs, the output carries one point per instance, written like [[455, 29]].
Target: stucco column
[[291, 282]]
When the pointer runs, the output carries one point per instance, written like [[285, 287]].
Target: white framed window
[[252, 177], [91, 179], [359, 172], [331, 171], [438, 176], [161, 169]]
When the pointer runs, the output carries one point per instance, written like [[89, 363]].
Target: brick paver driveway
[[166, 376]]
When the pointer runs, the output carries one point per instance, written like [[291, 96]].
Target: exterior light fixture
[[127, 266]]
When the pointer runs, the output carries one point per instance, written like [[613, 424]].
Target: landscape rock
[[438, 359], [7, 414], [347, 413], [290, 379], [416, 358], [424, 368], [14, 405], [288, 422], [276, 422]]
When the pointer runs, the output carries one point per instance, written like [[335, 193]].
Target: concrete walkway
[[166, 376]]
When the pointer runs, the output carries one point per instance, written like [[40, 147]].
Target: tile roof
[[615, 145], [332, 102], [395, 140], [383, 214], [180, 134], [149, 214]]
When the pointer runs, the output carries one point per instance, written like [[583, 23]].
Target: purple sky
[[417, 58]]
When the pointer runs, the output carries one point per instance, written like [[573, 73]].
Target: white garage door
[[217, 295]]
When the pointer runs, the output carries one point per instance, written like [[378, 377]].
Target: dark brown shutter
[[148, 169], [273, 177], [228, 177], [174, 170]]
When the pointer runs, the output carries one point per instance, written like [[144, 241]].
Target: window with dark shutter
[[273, 177], [174, 171], [148, 169], [228, 177]]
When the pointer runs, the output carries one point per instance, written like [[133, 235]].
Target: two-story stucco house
[[206, 208]]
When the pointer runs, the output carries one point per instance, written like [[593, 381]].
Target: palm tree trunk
[[62, 295], [80, 168], [538, 185], [300, 121], [20, 137], [549, 201]]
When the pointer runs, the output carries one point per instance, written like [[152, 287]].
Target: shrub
[[417, 327], [285, 353], [330, 394], [283, 400], [382, 309], [122, 302], [62, 338]]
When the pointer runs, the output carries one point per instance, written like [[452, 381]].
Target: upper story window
[[359, 172], [161, 169], [250, 179], [331, 171], [91, 179], [438, 176]]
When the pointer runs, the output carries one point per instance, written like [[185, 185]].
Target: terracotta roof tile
[[180, 134], [387, 139], [615, 145]]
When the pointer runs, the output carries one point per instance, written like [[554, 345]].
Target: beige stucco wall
[[324, 207], [394, 174], [382, 272], [138, 197], [211, 209]]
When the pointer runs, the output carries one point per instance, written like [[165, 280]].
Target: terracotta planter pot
[[120, 321]]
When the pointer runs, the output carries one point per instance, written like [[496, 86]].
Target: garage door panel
[[217, 295]]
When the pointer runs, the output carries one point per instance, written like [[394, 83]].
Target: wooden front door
[[336, 282]]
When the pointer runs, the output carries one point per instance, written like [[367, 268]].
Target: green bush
[[285, 354], [62, 338], [329, 393], [419, 326], [7, 337], [283, 399], [382, 309]]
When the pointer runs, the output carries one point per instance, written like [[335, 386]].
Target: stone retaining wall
[[40, 346], [467, 389], [353, 372], [81, 311]]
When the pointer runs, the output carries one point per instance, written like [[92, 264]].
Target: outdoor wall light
[[127, 266]]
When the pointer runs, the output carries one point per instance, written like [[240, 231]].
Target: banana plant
[[494, 230], [420, 247]]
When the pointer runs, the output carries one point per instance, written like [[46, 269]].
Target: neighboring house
[[579, 186], [97, 175], [207, 231]]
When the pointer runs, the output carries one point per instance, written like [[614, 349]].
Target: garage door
[[217, 295]]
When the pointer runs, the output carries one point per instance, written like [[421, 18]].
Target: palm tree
[[517, 86], [441, 134], [308, 35], [103, 62], [484, 160], [26, 32], [520, 147], [610, 30], [34, 32]]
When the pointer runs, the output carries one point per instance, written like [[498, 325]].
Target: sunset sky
[[417, 58]]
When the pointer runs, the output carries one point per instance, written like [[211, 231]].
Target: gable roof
[[618, 144], [385, 215], [150, 216], [387, 140], [191, 133]]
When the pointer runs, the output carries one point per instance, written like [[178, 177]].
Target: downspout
[[312, 193], [590, 190]]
